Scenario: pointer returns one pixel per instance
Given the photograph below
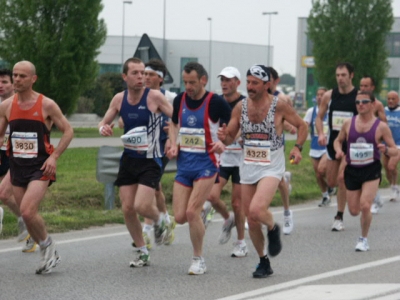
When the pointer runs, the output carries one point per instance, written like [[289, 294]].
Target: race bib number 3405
[[24, 144]]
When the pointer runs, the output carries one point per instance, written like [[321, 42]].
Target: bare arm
[[158, 102], [389, 148], [228, 134], [337, 144], [173, 137], [380, 111], [323, 108], [106, 126]]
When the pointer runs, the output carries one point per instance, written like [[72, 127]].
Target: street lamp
[[123, 30], [209, 56], [269, 33]]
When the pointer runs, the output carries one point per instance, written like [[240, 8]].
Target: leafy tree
[[287, 79], [101, 93], [350, 31], [61, 38]]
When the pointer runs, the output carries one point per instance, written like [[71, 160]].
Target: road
[[315, 263]]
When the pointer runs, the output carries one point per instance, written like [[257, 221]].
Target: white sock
[[160, 219], [147, 228], [144, 250], [325, 194], [167, 218]]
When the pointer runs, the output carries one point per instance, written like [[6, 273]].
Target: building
[[179, 52], [306, 82]]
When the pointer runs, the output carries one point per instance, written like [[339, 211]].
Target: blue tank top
[[393, 119], [139, 115], [314, 136], [191, 158], [361, 144]]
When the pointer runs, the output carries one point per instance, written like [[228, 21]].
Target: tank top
[[142, 129], [393, 119], [362, 149], [313, 132], [196, 134], [341, 108], [261, 131], [29, 140]]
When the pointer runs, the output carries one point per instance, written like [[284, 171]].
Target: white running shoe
[[141, 260], [395, 193], [287, 176], [198, 266], [325, 202], [377, 204], [204, 213], [227, 229], [30, 245], [338, 225], [1, 219], [50, 259], [239, 250], [362, 245], [288, 223]]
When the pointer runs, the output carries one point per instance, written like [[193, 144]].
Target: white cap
[[230, 72]]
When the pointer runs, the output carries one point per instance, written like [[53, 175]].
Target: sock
[[286, 213], [167, 218], [325, 194], [339, 215], [147, 228], [45, 243], [263, 259], [144, 250], [160, 219], [241, 242]]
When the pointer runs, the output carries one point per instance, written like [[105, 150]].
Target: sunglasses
[[364, 101]]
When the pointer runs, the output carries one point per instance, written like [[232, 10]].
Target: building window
[[393, 44], [310, 47], [110, 68], [389, 84]]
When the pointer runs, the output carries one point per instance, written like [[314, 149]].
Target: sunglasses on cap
[[363, 101]]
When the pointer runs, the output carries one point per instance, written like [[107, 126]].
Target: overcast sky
[[238, 21]]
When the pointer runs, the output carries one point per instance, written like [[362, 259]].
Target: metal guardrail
[[107, 167]]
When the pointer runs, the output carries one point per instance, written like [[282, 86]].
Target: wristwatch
[[300, 147]]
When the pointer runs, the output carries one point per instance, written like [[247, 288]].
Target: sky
[[239, 21]]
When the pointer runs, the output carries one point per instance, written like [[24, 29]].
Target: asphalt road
[[315, 263]]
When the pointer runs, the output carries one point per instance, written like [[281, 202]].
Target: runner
[[340, 105], [140, 166], [197, 115], [390, 163], [364, 134], [32, 158], [260, 117], [317, 152], [229, 167]]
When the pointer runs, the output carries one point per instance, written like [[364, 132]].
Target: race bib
[[257, 152], [235, 147], [325, 129], [24, 144], [192, 140], [361, 153], [136, 139], [338, 118]]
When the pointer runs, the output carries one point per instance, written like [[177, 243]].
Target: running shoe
[[288, 223], [160, 233], [198, 266], [263, 270], [141, 260], [1, 219], [325, 202], [332, 191], [227, 229], [23, 233], [274, 241], [395, 193], [204, 213], [30, 245], [170, 233], [362, 245], [377, 204], [50, 259], [287, 176], [337, 225], [239, 250]]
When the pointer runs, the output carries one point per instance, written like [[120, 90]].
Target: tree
[[350, 31], [61, 38], [287, 79], [104, 88]]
